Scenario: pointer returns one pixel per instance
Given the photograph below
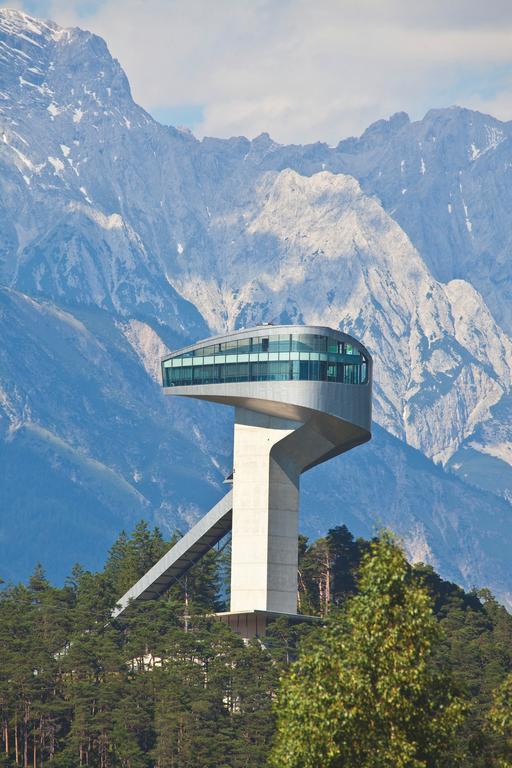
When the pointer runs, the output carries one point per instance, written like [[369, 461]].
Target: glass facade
[[283, 357]]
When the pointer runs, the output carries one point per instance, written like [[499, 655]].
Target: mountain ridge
[[151, 238]]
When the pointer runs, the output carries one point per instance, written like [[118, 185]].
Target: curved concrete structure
[[302, 395]]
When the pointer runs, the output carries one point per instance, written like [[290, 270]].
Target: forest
[[168, 685]]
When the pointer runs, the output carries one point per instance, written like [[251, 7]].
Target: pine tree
[[327, 570], [130, 557], [345, 557]]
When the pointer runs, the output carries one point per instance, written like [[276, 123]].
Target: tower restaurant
[[301, 395]]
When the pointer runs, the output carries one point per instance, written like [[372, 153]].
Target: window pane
[[261, 371], [273, 344], [332, 345], [244, 346], [257, 344], [309, 342], [284, 342]]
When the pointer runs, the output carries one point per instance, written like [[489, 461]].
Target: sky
[[301, 70]]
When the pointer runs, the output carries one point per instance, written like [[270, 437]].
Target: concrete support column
[[265, 516]]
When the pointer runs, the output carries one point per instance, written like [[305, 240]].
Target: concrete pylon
[[265, 516]]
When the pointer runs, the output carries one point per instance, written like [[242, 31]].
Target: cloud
[[302, 70]]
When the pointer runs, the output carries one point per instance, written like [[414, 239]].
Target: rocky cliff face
[[120, 237]]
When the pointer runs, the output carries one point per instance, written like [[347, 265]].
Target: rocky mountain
[[120, 237]]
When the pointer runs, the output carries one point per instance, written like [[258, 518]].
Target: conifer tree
[[132, 556], [327, 569]]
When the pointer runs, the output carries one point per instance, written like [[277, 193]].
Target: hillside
[[171, 685]]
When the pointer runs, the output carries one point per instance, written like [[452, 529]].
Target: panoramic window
[[283, 357]]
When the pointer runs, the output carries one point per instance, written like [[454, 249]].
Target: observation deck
[[302, 395]]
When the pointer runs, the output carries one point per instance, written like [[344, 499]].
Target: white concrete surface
[[265, 517]]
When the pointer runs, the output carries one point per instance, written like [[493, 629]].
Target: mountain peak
[[378, 131], [61, 73], [389, 126], [458, 114], [16, 22]]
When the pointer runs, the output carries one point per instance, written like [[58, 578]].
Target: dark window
[[264, 345], [332, 346], [351, 374]]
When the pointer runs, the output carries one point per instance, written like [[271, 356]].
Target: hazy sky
[[303, 70]]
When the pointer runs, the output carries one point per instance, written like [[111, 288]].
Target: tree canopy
[[168, 686]]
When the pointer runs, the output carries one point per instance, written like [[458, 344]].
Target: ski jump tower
[[302, 395]]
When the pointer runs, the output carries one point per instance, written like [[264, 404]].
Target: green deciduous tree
[[500, 721], [364, 691]]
